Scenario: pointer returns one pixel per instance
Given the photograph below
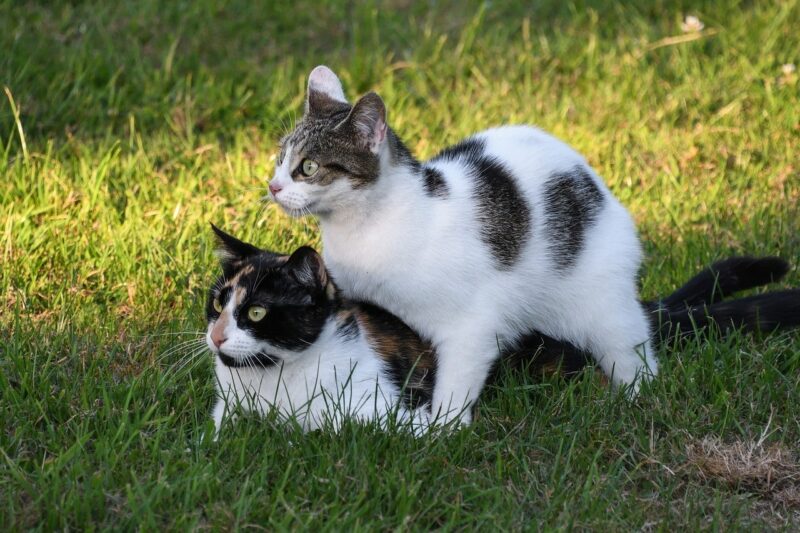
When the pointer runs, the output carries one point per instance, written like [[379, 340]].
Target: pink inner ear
[[372, 128], [379, 135]]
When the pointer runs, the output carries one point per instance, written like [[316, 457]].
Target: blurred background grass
[[140, 122]]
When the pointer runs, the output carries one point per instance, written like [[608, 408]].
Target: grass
[[128, 127]]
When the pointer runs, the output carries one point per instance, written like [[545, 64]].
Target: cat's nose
[[274, 188], [218, 338]]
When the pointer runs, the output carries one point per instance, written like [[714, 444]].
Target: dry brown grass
[[771, 471]]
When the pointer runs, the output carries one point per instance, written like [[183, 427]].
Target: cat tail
[[766, 312], [722, 279], [696, 305]]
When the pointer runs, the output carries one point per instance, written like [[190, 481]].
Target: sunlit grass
[[143, 122]]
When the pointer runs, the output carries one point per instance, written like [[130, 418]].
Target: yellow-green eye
[[256, 313], [217, 305], [309, 167]]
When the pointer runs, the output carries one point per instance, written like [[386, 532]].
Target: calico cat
[[508, 231], [285, 338]]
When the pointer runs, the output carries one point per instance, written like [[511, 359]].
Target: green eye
[[217, 305], [309, 167], [256, 313]]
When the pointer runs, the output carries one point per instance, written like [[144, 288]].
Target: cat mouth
[[259, 360], [297, 212]]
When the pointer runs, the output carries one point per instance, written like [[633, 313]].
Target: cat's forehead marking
[[316, 130], [239, 294], [234, 281]]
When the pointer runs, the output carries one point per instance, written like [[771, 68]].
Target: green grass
[[144, 121]]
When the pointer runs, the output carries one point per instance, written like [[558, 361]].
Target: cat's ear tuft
[[230, 249], [325, 93], [367, 120], [307, 267]]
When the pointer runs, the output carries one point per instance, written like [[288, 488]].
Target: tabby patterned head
[[335, 150]]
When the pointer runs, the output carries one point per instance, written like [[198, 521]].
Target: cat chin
[[311, 208], [259, 360]]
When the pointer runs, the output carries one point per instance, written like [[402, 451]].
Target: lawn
[[126, 127]]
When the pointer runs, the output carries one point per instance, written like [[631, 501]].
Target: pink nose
[[217, 338], [274, 188]]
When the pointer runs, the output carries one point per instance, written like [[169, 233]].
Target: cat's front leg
[[217, 414], [221, 413], [463, 364]]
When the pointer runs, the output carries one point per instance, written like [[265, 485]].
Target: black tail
[[691, 309], [763, 312], [724, 278], [698, 303]]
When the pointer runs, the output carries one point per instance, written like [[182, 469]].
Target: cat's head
[[266, 307], [335, 152]]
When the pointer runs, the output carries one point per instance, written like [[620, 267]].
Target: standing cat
[[284, 338], [507, 231]]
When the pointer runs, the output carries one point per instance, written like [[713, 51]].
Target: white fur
[[330, 381], [422, 258]]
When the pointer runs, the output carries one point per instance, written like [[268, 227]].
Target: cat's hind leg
[[619, 339]]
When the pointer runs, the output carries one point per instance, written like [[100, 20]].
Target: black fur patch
[[503, 212], [572, 202], [400, 153], [347, 327], [434, 182], [258, 360], [466, 150], [541, 355]]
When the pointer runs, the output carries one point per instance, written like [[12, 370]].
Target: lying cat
[[285, 338], [506, 232]]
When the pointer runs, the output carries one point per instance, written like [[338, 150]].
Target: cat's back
[[513, 178], [529, 154]]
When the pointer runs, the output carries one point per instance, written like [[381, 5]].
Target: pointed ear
[[367, 120], [231, 249], [307, 267], [324, 94]]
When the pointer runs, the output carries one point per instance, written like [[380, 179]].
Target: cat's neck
[[390, 196]]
